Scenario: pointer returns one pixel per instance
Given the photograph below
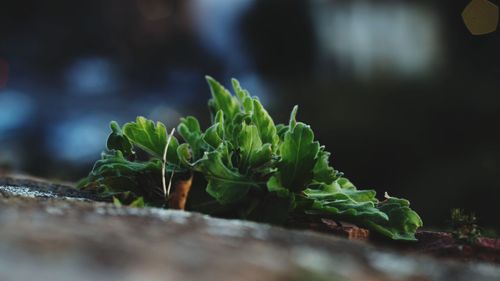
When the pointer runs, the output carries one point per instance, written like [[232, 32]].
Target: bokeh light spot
[[15, 110], [91, 76], [480, 17], [78, 139]]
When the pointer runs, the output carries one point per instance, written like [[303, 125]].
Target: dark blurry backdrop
[[405, 98]]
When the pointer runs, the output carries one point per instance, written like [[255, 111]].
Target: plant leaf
[[333, 200], [138, 203], [392, 218], [322, 170], [293, 118], [249, 143], [403, 222], [264, 123], [224, 184], [243, 96], [298, 153], [117, 202], [152, 138], [116, 174], [222, 99], [118, 141], [261, 156], [214, 135], [190, 131], [274, 185]]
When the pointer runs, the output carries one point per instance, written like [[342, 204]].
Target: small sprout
[[117, 202], [137, 203], [464, 226]]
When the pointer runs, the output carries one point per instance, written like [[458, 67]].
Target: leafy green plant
[[244, 166]]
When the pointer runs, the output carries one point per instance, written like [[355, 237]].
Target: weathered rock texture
[[57, 233]]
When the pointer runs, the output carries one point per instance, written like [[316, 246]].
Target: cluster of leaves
[[121, 175], [245, 166], [464, 226]]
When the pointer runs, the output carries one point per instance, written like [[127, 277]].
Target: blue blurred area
[[91, 76], [16, 109], [404, 97], [77, 139]]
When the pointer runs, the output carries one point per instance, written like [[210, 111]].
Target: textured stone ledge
[[56, 238]]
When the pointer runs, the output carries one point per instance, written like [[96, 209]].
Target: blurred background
[[400, 92]]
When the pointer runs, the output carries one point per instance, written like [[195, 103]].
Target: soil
[[437, 244], [443, 245]]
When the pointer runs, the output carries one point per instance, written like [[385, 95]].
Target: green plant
[[464, 226], [244, 166]]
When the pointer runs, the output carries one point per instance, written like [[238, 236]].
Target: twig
[[170, 184], [164, 166]]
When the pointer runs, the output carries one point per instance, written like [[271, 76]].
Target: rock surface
[[54, 232]]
